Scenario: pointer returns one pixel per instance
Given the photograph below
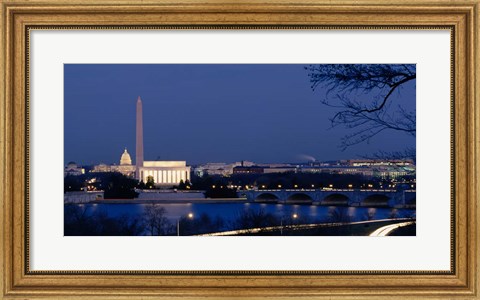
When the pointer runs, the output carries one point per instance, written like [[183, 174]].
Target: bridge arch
[[299, 198], [267, 197], [335, 199], [376, 200]]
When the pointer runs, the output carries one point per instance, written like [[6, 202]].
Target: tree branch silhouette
[[363, 98]]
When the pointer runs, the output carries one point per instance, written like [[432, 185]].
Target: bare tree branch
[[368, 117]]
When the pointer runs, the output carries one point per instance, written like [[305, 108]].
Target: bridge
[[334, 197]]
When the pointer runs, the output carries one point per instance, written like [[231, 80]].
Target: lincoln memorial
[[162, 172]]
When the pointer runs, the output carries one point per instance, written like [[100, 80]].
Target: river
[[231, 211]]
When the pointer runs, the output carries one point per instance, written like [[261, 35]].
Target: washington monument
[[139, 139]]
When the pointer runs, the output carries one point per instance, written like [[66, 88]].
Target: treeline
[[226, 187], [119, 186], [80, 221], [115, 185], [284, 180]]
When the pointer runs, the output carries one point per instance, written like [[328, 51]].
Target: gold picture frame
[[19, 17]]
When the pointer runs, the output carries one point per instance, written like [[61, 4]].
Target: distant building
[[72, 169], [248, 170], [279, 170], [82, 196], [380, 162], [364, 171], [221, 169], [125, 167], [102, 168], [366, 167], [277, 167]]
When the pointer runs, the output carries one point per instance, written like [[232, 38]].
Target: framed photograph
[[162, 149]]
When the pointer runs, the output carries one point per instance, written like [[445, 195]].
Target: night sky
[[207, 113]]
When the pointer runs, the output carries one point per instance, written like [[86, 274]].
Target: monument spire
[[139, 139]]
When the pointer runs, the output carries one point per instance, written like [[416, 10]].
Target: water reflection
[[230, 211]]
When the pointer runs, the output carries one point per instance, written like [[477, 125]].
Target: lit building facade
[[384, 171], [125, 167], [72, 169], [221, 169], [165, 172], [248, 170]]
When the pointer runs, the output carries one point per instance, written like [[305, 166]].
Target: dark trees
[[150, 183], [115, 185], [200, 225], [118, 186], [221, 192], [184, 185], [251, 219], [217, 186], [79, 220], [73, 183], [156, 221]]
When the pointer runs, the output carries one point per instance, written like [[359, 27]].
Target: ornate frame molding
[[20, 17]]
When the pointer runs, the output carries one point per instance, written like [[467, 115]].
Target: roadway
[[386, 230], [382, 231]]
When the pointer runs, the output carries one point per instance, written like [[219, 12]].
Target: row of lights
[[350, 186], [279, 186], [190, 215]]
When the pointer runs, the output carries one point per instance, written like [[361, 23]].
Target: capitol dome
[[125, 159]]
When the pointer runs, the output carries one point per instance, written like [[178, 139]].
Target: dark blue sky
[[206, 113]]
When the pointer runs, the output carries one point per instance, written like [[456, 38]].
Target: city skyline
[[206, 113]]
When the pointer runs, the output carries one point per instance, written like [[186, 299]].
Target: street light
[[190, 216], [294, 216]]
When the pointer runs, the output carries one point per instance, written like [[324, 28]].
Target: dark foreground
[[236, 218]]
